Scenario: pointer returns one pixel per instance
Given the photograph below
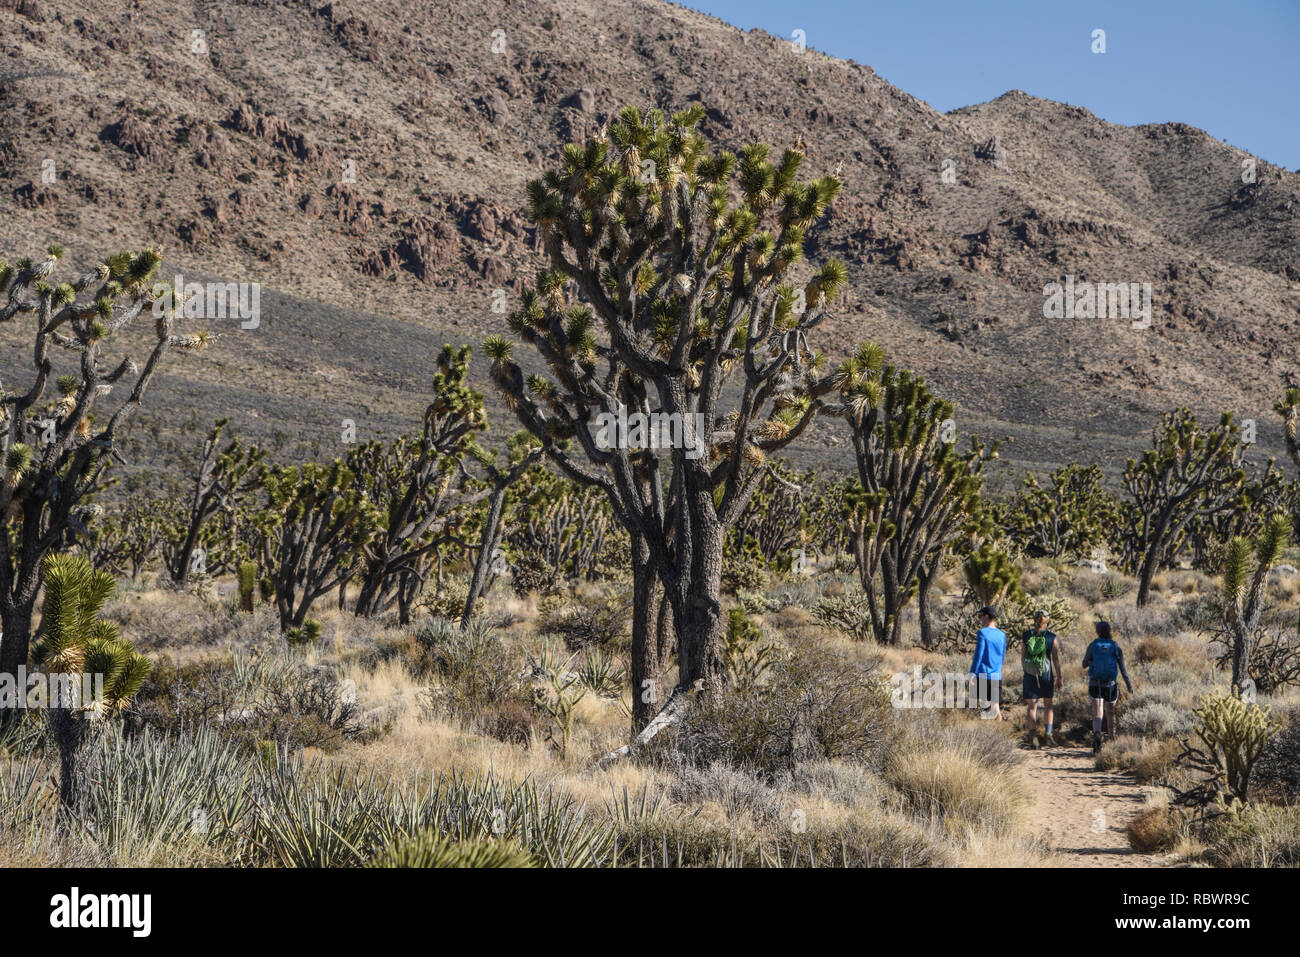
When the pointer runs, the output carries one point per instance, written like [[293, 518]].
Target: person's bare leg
[[1048, 725]]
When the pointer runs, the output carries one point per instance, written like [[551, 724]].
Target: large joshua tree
[[224, 476], [420, 483], [916, 489], [1189, 473], [55, 449], [683, 258]]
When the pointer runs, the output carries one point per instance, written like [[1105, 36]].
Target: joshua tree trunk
[[181, 571], [648, 659], [488, 544], [696, 596], [923, 605], [1150, 560], [71, 733]]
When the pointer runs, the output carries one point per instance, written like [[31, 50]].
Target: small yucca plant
[[74, 641]]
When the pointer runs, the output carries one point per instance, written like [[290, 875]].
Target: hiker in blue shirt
[[1041, 662], [1104, 662], [986, 665]]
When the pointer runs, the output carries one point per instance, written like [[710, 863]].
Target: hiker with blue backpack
[[1104, 662], [1041, 664]]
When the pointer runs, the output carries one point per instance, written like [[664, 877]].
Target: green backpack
[[1037, 662]]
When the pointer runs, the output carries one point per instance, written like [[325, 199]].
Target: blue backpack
[[1104, 666]]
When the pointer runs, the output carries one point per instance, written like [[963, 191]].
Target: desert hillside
[[365, 162]]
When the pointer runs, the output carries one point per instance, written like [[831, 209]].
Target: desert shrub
[[848, 614], [735, 791], [601, 673], [749, 658], [1128, 622], [157, 798], [475, 680], [812, 705], [334, 816], [799, 593], [1148, 760], [431, 849], [981, 741], [757, 603], [1201, 613], [1095, 588], [744, 567], [1278, 769], [840, 782], [1275, 663], [675, 839], [603, 622], [552, 827], [1155, 828], [1152, 648], [1155, 719], [250, 699], [1115, 586], [448, 599], [870, 841], [177, 620], [531, 573], [1255, 836]]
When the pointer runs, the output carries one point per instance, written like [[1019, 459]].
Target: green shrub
[[749, 657], [250, 699]]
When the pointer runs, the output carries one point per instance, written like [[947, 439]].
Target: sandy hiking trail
[[1083, 811]]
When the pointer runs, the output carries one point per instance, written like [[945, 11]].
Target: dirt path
[[1083, 811]]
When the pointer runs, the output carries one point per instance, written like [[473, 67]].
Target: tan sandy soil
[[1083, 811]]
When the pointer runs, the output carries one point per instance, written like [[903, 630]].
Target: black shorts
[[1103, 690], [1036, 686], [987, 691]]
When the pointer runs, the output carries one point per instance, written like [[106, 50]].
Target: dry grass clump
[[1149, 760], [1255, 836], [1158, 827], [955, 783]]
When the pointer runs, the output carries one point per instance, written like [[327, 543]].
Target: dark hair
[[1103, 629], [990, 611]]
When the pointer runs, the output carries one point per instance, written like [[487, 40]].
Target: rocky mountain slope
[[365, 162]]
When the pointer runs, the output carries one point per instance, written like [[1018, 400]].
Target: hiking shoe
[[1096, 744], [1049, 741], [1034, 742]]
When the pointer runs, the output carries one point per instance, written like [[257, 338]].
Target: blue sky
[[1232, 69]]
